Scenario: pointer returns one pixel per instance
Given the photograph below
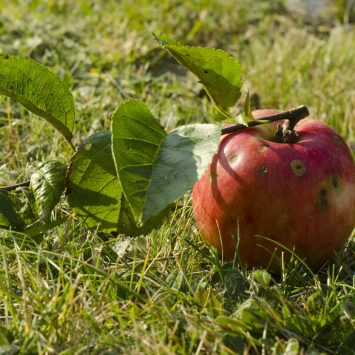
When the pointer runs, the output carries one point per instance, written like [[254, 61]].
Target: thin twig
[[294, 114], [15, 186]]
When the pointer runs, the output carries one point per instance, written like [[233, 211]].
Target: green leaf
[[39, 90], [136, 139], [246, 116], [219, 72], [183, 157], [95, 193], [8, 216], [93, 189], [154, 168], [48, 184], [262, 278], [292, 347]]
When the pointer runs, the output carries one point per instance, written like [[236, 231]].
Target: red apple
[[257, 194]]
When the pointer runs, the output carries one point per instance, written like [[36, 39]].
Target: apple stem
[[293, 116], [285, 133], [15, 186]]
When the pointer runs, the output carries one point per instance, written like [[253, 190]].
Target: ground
[[79, 291]]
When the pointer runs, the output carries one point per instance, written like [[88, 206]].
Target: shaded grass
[[78, 291]]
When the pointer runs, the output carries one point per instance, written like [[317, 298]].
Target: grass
[[78, 291]]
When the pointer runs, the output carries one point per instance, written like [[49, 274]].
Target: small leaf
[[39, 90], [48, 184], [93, 189], [154, 168], [262, 278], [8, 216], [136, 139], [219, 72], [246, 116], [292, 347]]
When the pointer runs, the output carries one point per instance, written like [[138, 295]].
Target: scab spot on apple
[[263, 169], [263, 147], [322, 204], [335, 181], [298, 167]]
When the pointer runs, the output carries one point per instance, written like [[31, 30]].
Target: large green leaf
[[39, 90], [93, 189], [48, 184], [183, 157], [219, 72], [155, 168], [95, 193], [8, 216], [136, 139]]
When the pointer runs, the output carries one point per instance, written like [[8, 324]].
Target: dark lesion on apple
[[335, 181], [322, 204], [262, 169], [263, 147], [298, 167]]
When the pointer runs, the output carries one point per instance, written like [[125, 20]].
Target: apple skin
[[300, 195]]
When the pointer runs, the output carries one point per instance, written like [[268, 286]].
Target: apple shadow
[[221, 158]]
